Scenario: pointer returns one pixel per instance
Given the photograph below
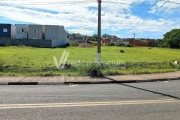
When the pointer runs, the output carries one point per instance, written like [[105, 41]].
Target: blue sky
[[147, 18]]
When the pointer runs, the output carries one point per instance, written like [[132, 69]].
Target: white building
[[21, 31], [57, 34]]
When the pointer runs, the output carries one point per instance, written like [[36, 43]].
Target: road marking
[[84, 104]]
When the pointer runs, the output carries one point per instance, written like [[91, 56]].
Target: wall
[[124, 42], [26, 42], [13, 31], [62, 35], [138, 43]]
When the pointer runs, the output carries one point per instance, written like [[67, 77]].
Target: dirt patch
[[85, 45]]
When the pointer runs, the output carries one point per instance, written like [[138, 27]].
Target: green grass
[[39, 61]]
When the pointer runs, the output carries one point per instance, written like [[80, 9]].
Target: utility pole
[[99, 33]]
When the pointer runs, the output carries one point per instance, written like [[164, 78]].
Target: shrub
[[1, 67], [129, 45], [75, 44], [111, 72], [110, 44], [94, 71], [121, 51], [85, 45], [120, 44], [92, 39], [8, 43]]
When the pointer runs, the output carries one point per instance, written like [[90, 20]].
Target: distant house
[[57, 34], [78, 38], [122, 41], [105, 41], [136, 42], [7, 31], [36, 31], [21, 31], [116, 40]]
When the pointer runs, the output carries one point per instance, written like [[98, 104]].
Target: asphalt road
[[136, 101]]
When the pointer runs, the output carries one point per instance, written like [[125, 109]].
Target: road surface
[[135, 101]]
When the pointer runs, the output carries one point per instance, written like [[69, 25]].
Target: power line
[[76, 2], [117, 3], [26, 2], [170, 2]]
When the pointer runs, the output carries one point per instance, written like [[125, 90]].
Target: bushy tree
[[106, 36], [152, 43], [120, 44], [172, 39], [110, 44]]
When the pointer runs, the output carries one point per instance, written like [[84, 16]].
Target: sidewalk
[[59, 80]]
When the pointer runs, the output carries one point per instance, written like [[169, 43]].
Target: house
[[119, 40], [57, 34], [78, 38], [36, 32], [123, 42], [7, 31], [114, 38], [105, 41], [21, 31], [136, 42]]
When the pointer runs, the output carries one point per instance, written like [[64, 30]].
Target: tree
[[172, 39], [105, 36], [95, 37], [151, 43], [74, 34]]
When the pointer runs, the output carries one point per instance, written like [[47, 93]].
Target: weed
[[74, 44], [1, 67], [110, 44], [32, 61]]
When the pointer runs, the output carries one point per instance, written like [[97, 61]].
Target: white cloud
[[166, 6], [78, 17], [82, 31]]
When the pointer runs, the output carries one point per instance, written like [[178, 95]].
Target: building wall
[[27, 42], [124, 42], [21, 31], [5, 30], [13, 31], [51, 32], [36, 31], [57, 34], [105, 41], [63, 36], [78, 38], [137, 42], [37, 34]]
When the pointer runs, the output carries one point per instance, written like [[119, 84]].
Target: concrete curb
[[88, 82], [51, 83]]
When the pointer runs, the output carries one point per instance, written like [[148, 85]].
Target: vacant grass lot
[[39, 61]]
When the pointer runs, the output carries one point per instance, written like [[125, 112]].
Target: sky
[[123, 18]]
